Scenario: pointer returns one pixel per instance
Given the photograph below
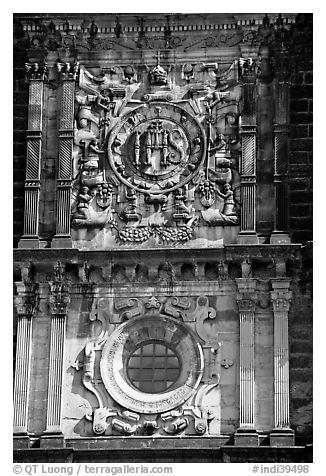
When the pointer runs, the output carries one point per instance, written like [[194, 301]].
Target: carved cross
[[158, 57]]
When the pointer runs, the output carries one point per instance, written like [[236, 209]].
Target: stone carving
[[158, 76], [147, 169], [176, 307], [112, 421], [162, 149], [131, 334], [59, 297], [25, 301], [247, 66], [223, 271], [83, 201], [36, 71], [207, 190], [49, 37], [226, 363], [246, 268], [163, 233]]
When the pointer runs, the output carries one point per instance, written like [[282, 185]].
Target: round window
[[151, 364], [153, 367]]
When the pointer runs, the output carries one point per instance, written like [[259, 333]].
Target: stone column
[[68, 73], [246, 434], [281, 130], [25, 304], [58, 304], [36, 76], [281, 435], [248, 235]]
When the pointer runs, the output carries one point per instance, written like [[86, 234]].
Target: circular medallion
[[156, 148], [151, 364]]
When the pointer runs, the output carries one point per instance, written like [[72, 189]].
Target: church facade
[[163, 250]]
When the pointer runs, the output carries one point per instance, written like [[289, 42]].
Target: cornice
[[148, 22], [228, 252]]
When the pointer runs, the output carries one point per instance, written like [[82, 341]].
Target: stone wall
[[301, 133]]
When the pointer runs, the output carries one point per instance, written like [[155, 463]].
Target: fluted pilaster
[[36, 76], [281, 132], [281, 298], [25, 303], [247, 71], [246, 299], [58, 303], [68, 73]]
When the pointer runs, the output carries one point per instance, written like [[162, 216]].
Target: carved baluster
[[68, 74], [248, 156], [281, 300], [36, 76], [246, 434], [281, 131], [58, 303], [25, 304]]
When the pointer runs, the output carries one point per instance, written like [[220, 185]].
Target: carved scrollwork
[[177, 307]]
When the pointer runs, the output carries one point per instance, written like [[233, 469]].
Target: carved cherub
[[83, 202]]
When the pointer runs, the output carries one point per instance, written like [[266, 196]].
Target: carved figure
[[246, 268], [228, 208], [83, 202]]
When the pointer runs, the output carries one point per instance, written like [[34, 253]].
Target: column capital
[[68, 71], [58, 304], [247, 296], [36, 71], [25, 301], [25, 305], [248, 69], [281, 300]]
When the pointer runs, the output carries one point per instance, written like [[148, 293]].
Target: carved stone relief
[[120, 328], [160, 166]]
